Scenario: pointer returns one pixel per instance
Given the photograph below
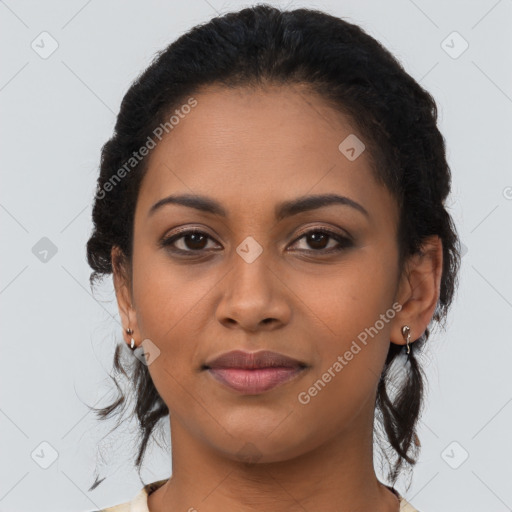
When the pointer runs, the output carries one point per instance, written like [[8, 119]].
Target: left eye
[[317, 238]]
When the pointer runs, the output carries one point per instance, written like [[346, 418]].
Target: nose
[[254, 296]]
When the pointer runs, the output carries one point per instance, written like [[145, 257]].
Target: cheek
[[167, 294], [345, 299], [352, 310], [165, 302]]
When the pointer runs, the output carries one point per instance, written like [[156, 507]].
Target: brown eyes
[[195, 242]]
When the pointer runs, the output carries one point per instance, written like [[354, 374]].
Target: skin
[[250, 150]]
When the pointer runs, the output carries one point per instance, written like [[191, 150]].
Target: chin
[[259, 447]]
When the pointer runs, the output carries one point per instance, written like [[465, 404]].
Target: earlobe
[[123, 295], [419, 290]]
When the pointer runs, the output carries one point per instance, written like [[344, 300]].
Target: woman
[[271, 207]]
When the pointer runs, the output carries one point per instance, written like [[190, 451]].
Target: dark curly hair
[[355, 75]]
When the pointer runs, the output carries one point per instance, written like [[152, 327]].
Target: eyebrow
[[283, 210]]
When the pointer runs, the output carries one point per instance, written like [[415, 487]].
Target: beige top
[[140, 502]]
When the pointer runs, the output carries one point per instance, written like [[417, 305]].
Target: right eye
[[191, 240]]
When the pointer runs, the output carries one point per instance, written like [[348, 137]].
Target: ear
[[122, 284], [419, 290]]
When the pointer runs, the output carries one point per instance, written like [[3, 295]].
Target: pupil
[[315, 237], [196, 239]]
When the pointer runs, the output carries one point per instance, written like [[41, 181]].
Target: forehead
[[249, 147]]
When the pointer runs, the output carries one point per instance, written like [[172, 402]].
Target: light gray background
[[57, 340]]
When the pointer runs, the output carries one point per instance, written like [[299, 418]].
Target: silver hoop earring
[[132, 342], [406, 333]]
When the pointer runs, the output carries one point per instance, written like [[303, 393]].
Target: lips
[[253, 372], [251, 360]]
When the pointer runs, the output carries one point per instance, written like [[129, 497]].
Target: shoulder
[[405, 506], [128, 506], [123, 507], [139, 503]]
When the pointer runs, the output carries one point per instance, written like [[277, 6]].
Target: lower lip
[[253, 382]]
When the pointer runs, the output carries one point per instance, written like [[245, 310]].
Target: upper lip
[[251, 360]]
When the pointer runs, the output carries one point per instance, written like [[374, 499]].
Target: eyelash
[[344, 242]]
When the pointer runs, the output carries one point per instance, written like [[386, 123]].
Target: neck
[[338, 475]]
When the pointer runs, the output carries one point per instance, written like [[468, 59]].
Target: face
[[319, 285]]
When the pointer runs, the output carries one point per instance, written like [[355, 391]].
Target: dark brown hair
[[354, 74]]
